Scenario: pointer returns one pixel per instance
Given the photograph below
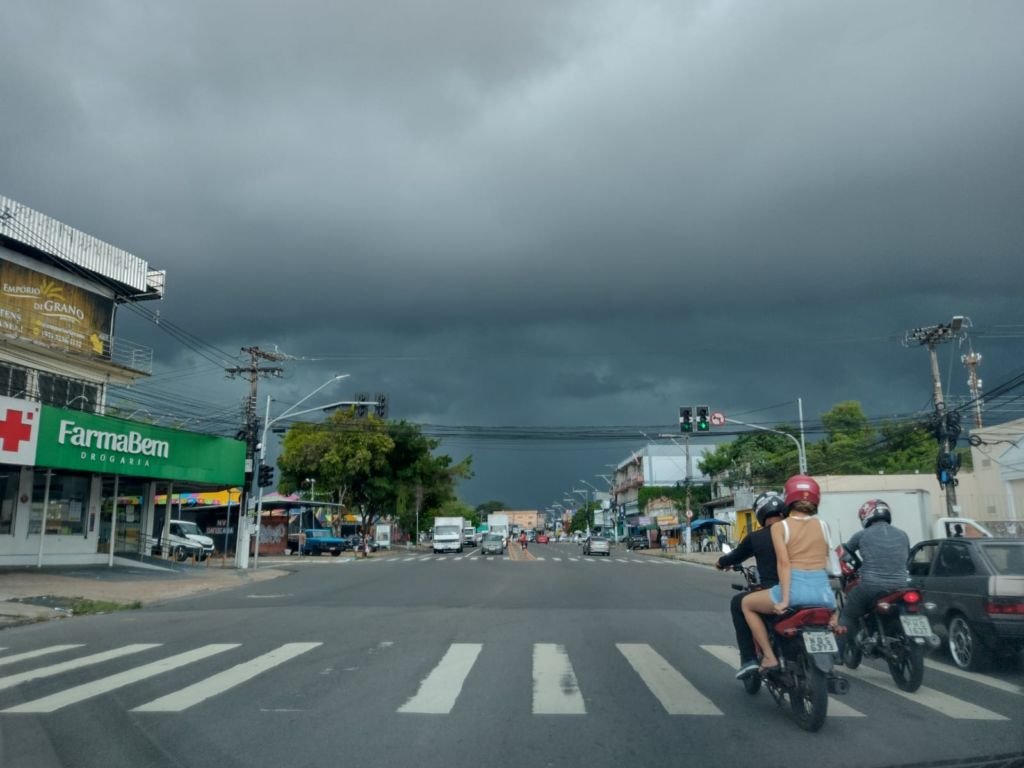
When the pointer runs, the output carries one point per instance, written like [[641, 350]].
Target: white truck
[[498, 523], [910, 512], [448, 534]]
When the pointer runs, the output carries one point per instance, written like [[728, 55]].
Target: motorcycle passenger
[[883, 549], [801, 544], [768, 508]]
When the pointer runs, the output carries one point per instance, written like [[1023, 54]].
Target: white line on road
[[426, 557], [574, 559], [440, 689], [104, 685], [66, 666], [928, 697], [557, 559], [539, 559], [222, 681], [409, 559], [555, 690], [36, 653], [637, 560], [730, 654], [1002, 685], [677, 694]]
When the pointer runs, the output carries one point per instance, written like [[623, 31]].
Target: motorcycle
[[805, 646], [894, 629]]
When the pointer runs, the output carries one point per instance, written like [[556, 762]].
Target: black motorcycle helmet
[[769, 504]]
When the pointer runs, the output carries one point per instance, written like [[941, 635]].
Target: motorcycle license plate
[[820, 642], [916, 626]]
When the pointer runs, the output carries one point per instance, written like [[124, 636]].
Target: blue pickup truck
[[316, 541]]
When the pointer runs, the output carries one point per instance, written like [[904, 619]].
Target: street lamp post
[[267, 423], [800, 452]]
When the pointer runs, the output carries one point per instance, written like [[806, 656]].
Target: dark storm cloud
[[542, 213]]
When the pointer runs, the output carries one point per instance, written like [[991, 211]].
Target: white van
[[186, 536]]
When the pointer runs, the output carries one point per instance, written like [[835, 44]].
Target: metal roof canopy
[[39, 232]]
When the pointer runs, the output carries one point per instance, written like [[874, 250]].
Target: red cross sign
[[19, 429]]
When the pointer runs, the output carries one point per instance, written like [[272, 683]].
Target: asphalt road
[[457, 661]]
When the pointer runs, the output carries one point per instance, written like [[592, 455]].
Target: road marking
[[440, 689], [426, 557], [457, 558], [113, 682], [222, 681], [574, 559], [36, 653], [540, 559], [66, 666], [409, 559], [266, 597], [588, 559], [555, 689], [1002, 685], [928, 697], [636, 560], [730, 654], [677, 694]]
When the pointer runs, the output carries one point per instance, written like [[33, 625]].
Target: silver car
[[597, 545], [492, 544]]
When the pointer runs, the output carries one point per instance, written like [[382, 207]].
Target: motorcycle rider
[[884, 550], [801, 548], [768, 509]]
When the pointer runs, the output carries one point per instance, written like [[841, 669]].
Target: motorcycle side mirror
[[726, 549]]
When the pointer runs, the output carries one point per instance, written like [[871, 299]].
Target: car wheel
[[179, 554], [965, 647]]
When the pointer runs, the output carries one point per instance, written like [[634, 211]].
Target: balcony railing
[[130, 355]]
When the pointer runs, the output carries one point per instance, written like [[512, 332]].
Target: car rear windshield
[[1007, 557]]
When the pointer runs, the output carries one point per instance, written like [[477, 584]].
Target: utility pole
[[947, 423], [253, 372], [971, 361]]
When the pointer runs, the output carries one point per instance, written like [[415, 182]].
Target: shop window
[[69, 502], [9, 480], [13, 381]]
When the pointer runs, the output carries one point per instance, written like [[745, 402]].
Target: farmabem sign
[[90, 443]]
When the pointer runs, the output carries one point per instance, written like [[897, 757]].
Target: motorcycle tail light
[[912, 598], [789, 632]]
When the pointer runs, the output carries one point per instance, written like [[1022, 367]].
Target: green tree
[[757, 458]]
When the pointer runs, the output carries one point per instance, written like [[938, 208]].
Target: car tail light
[[1005, 606]]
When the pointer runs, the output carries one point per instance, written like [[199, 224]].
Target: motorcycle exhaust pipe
[[838, 685]]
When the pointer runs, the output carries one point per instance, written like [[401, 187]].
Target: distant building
[[658, 466]]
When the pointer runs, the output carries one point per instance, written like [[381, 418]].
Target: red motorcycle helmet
[[872, 511], [801, 488]]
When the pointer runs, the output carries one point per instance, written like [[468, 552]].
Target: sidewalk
[[703, 558], [120, 584]]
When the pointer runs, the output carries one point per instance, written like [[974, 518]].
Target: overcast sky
[[541, 213]]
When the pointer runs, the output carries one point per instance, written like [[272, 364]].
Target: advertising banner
[[42, 309], [90, 443]]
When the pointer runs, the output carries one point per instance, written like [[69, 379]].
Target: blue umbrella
[[701, 523]]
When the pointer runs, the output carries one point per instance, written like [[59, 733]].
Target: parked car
[[597, 545], [492, 544], [542, 538], [639, 541], [186, 540], [320, 540], [977, 587]]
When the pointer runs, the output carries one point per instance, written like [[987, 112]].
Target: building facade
[[76, 484]]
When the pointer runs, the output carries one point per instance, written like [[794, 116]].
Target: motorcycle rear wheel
[[907, 667], [809, 697]]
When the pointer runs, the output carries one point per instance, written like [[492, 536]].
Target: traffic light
[[363, 409], [266, 476], [703, 424], [381, 409], [686, 419]]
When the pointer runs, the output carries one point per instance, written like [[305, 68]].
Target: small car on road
[[977, 587], [542, 538], [492, 544], [597, 545]]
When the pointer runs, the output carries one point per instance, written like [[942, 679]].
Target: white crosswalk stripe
[[35, 654], [677, 694], [992, 682], [927, 697], [88, 690], [67, 666], [557, 559], [731, 656], [440, 689], [539, 559], [555, 690], [229, 678]]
